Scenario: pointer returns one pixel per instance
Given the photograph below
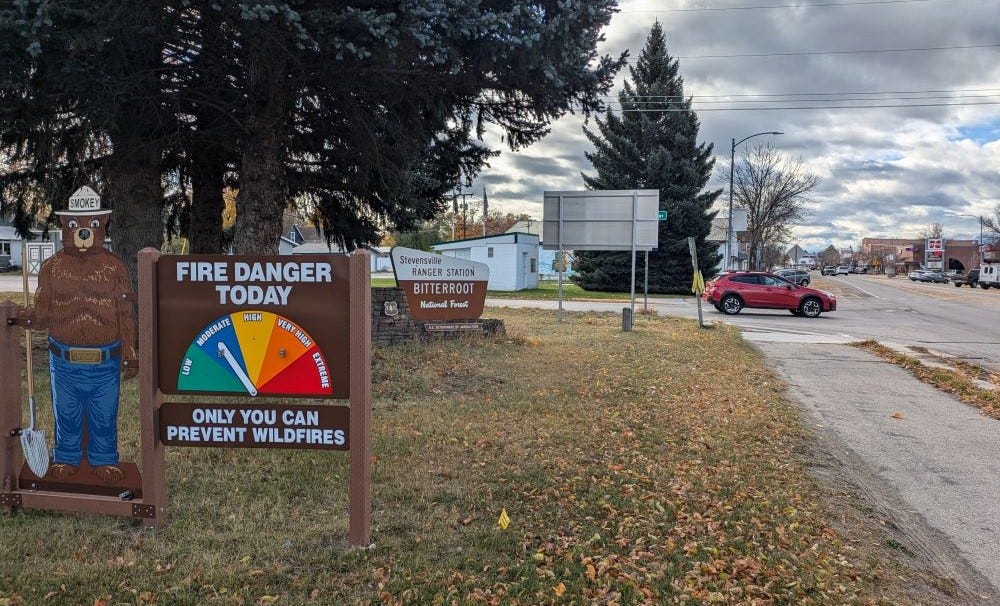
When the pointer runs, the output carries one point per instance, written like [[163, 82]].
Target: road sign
[[661, 216]]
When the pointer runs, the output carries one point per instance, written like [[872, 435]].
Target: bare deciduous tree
[[774, 190], [991, 225], [934, 230]]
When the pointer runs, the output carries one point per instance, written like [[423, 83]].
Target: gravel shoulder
[[911, 469]]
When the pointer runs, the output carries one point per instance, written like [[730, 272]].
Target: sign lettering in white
[[238, 279]]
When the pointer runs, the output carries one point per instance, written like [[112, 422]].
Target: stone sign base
[[392, 323]]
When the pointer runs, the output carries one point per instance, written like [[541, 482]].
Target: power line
[[765, 109], [839, 52], [772, 6], [886, 92], [807, 100]]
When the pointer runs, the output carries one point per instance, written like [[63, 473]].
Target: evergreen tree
[[653, 144], [367, 115]]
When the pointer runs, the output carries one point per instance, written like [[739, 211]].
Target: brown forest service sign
[[438, 287], [257, 326]]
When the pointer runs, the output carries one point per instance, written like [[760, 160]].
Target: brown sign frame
[[197, 291]]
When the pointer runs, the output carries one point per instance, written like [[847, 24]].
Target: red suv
[[731, 292]]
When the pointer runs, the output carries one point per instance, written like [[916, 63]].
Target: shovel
[[36, 451]]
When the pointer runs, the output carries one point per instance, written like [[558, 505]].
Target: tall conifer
[[652, 144]]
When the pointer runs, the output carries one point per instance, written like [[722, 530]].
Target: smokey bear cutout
[[84, 299]]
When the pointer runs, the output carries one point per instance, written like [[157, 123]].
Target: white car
[[916, 274], [842, 270]]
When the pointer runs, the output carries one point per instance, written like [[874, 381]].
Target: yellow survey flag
[[504, 520], [698, 283]]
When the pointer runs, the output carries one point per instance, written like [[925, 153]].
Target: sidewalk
[[931, 459]]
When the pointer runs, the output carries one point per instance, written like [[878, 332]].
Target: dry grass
[[652, 467]]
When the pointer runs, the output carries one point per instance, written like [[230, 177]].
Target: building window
[[4, 248], [534, 266], [489, 252]]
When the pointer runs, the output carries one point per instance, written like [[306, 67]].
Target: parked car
[[971, 278], [732, 292], [798, 276], [915, 274], [933, 276], [859, 269], [828, 270], [842, 270]]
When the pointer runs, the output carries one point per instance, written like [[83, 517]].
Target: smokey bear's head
[[84, 233]]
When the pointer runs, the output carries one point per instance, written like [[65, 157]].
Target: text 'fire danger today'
[[238, 288]]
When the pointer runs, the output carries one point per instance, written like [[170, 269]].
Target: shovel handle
[[27, 332]]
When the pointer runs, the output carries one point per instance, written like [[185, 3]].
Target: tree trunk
[[207, 204], [135, 194], [263, 188]]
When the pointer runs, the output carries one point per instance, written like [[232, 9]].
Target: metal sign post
[[562, 262], [698, 284], [635, 203]]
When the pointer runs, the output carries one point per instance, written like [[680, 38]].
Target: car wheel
[[811, 307], [732, 305], [957, 284], [984, 286], [804, 283]]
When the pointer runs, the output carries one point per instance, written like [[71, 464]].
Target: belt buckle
[[80, 355]]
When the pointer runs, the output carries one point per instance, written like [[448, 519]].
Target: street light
[[732, 162]]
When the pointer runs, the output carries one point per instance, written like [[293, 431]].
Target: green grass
[[652, 467]]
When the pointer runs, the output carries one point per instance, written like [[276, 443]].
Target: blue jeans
[[85, 389]]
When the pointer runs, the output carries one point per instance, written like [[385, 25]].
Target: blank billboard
[[601, 220]]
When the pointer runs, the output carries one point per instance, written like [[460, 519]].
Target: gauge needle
[[242, 376]]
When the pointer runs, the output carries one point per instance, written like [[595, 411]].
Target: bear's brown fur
[[84, 299]]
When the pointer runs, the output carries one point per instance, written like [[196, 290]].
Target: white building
[[511, 257]]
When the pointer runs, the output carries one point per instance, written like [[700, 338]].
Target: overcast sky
[[885, 172]]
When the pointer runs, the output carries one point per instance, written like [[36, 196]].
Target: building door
[[37, 254]]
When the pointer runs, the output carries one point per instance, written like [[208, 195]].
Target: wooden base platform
[[84, 482]]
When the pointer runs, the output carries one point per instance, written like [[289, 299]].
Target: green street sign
[[661, 216]]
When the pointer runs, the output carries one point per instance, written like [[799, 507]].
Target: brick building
[[907, 254]]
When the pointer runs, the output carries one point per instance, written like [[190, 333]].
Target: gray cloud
[[884, 171]]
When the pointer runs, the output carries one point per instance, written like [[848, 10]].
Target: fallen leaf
[[559, 589], [268, 599], [897, 415], [591, 572]]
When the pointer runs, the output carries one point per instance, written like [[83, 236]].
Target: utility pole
[[465, 207], [486, 210]]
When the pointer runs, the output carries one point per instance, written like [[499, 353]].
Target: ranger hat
[[84, 201]]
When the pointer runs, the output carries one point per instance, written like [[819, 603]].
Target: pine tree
[[652, 144]]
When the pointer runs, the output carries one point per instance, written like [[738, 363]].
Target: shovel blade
[[36, 451]]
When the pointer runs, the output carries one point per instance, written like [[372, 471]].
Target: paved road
[[928, 462], [956, 321]]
